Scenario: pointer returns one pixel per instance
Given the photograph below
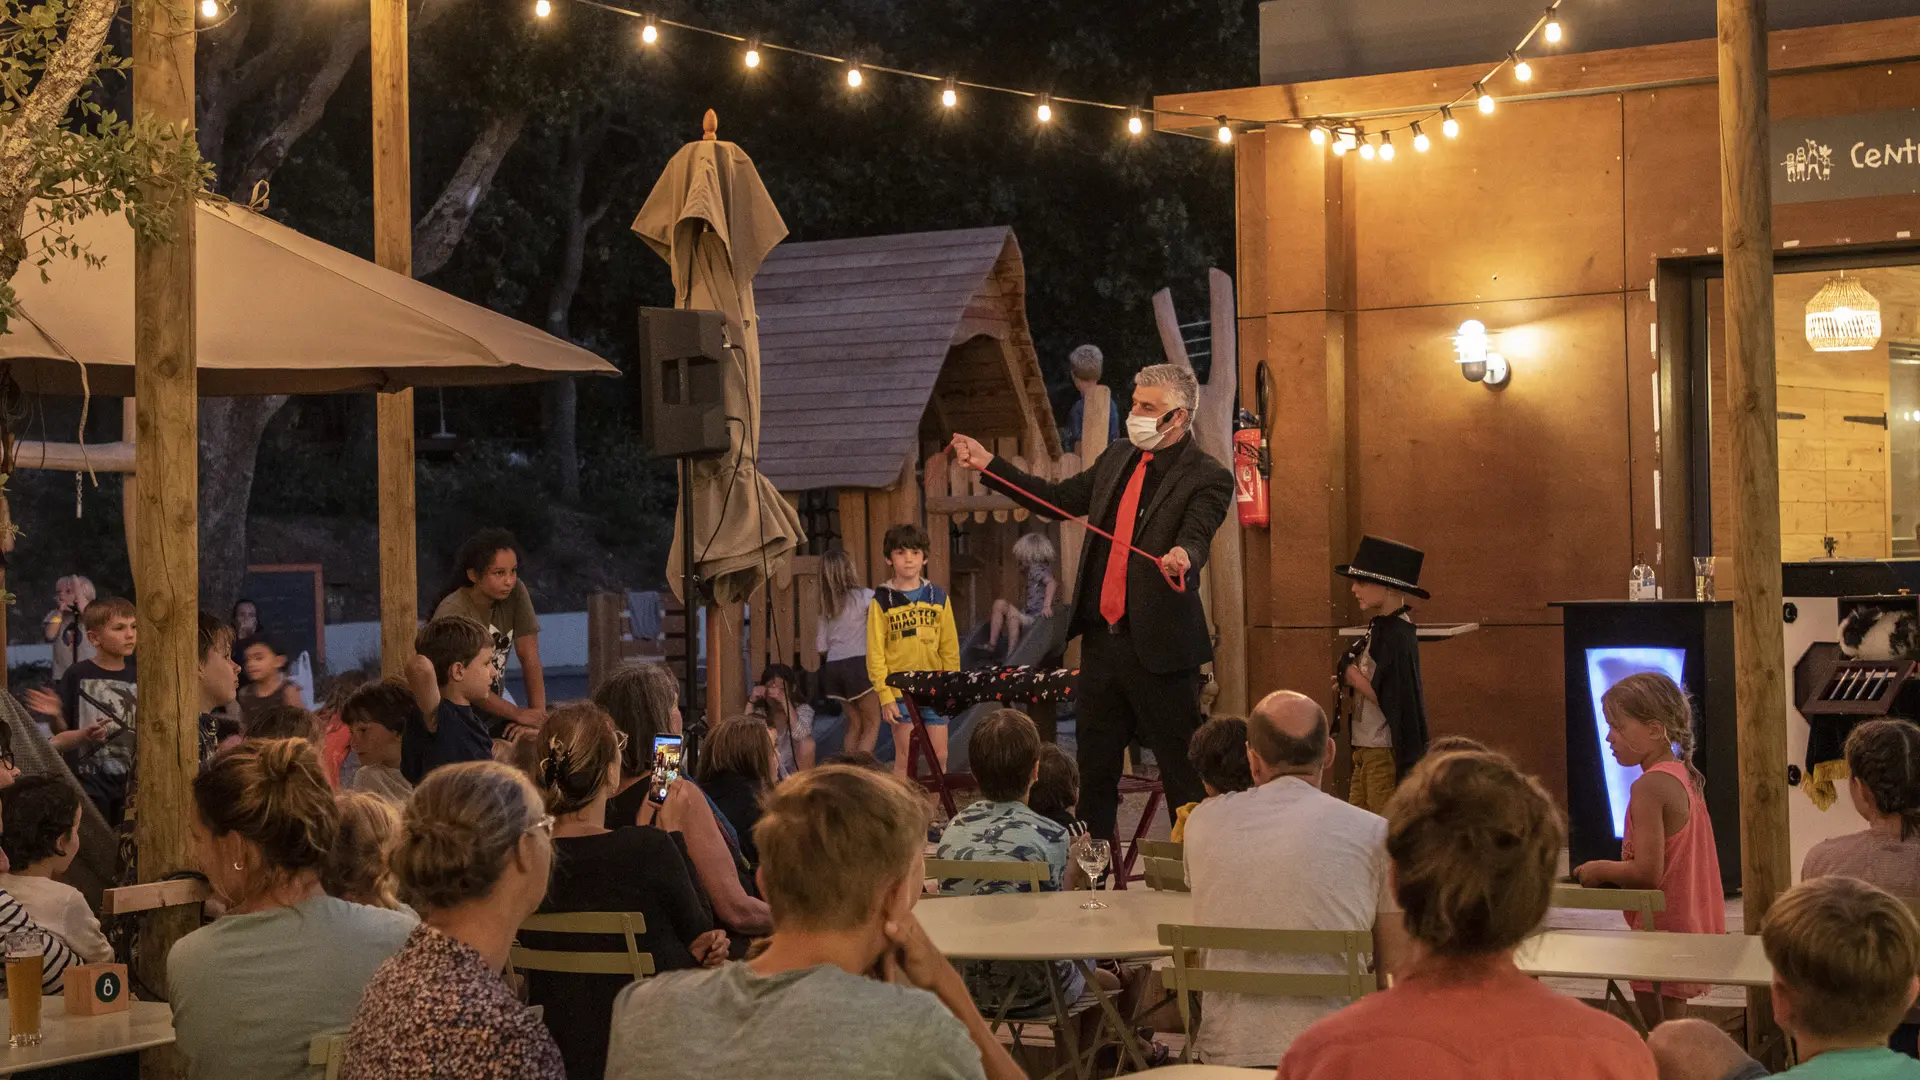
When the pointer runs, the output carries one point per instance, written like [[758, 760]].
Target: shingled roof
[[855, 340]]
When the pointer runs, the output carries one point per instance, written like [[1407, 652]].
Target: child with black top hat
[[1378, 680]]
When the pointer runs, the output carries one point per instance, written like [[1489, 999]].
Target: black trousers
[[1119, 701]]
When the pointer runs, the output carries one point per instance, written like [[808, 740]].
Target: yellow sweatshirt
[[909, 631]]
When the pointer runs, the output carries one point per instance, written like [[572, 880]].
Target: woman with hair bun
[[1473, 843], [287, 962], [601, 869], [474, 856]]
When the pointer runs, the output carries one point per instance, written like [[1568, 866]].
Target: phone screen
[[666, 766]]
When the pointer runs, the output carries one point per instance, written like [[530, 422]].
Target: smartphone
[[666, 766]]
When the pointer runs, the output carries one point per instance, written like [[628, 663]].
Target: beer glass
[[26, 952]]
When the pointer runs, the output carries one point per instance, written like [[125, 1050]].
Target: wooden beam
[[167, 417], [1612, 70], [1167, 321], [939, 522], [153, 896], [1746, 227], [113, 457], [967, 504], [853, 533], [393, 249]]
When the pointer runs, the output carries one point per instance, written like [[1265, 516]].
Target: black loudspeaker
[[683, 382]]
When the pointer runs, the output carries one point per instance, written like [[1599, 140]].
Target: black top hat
[[1396, 566]]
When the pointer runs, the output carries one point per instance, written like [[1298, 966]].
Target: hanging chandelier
[[1843, 317]]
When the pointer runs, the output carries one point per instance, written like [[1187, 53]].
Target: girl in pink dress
[[1669, 839]]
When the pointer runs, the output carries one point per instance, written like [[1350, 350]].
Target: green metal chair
[[626, 925], [1187, 976]]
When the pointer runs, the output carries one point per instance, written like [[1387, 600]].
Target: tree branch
[[438, 234], [265, 152]]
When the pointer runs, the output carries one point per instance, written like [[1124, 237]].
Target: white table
[[1646, 956], [80, 1038], [1052, 925]]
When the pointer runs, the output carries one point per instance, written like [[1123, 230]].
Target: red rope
[[1177, 584]]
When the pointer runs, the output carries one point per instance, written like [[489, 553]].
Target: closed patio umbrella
[[711, 219]]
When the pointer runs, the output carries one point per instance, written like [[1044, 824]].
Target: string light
[[1340, 148], [649, 33], [1448, 125], [1420, 140], [210, 9], [1225, 132], [1386, 146], [950, 94], [1345, 141], [752, 57], [854, 78], [1134, 124], [1044, 110], [541, 8], [1483, 99], [1318, 134], [1521, 69], [1552, 31], [1367, 152]]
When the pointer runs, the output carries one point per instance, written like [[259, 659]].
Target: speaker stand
[[693, 705]]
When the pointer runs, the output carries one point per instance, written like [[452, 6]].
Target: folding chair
[[626, 925], [1164, 864], [1186, 977], [1155, 792], [329, 1050], [1643, 902], [919, 751]]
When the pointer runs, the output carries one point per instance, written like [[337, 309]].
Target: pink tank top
[[1696, 904]]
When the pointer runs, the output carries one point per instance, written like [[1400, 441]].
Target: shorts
[[845, 679], [927, 717]]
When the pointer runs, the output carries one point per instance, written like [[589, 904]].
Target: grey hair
[[1180, 380], [1086, 362]]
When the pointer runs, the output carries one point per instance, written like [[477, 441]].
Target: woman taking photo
[[474, 857], [486, 587], [287, 962], [601, 869], [644, 701]]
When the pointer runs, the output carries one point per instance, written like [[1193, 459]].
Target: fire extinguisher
[[1252, 459]]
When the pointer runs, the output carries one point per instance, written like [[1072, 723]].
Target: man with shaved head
[[1284, 855]]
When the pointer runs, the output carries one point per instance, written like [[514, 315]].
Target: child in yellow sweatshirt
[[910, 628]]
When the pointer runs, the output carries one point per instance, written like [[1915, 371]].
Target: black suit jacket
[[1169, 629]]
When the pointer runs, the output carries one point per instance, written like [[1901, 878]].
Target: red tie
[[1113, 586]]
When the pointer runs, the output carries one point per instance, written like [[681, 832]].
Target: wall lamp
[[1478, 362]]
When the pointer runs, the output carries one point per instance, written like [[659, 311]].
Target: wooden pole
[[167, 568], [1759, 661], [393, 249]]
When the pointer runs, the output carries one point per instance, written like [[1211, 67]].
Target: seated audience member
[[1284, 855], [267, 683], [475, 853], [1218, 752], [1446, 744], [287, 962], [842, 988], [336, 736], [1883, 762], [56, 956], [276, 721], [219, 680], [359, 865], [736, 772], [453, 669], [1005, 751], [9, 769], [601, 869], [1056, 787], [1473, 843], [1844, 955], [41, 836], [644, 701], [378, 715], [775, 701]]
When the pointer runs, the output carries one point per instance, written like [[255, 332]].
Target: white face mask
[[1146, 433]]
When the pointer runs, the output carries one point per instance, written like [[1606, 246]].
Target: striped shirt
[[58, 957]]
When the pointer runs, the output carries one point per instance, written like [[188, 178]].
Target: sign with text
[[1819, 158]]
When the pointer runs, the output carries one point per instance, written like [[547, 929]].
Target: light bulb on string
[[950, 93], [1367, 152], [649, 33], [1344, 140], [1317, 134], [541, 8], [1044, 111], [1386, 146], [854, 78], [210, 9], [1521, 69], [752, 56], [1448, 125], [1483, 99], [1225, 131], [1552, 30], [1340, 148], [1420, 140], [1135, 125]]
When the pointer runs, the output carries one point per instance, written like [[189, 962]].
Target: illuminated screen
[[1604, 668]]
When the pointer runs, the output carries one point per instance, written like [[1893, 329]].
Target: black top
[[1396, 682], [632, 869], [458, 736], [624, 808], [1087, 606], [732, 793]]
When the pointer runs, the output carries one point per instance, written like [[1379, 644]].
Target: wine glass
[[1092, 857]]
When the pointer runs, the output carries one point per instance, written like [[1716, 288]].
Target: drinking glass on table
[[1092, 855], [26, 952]]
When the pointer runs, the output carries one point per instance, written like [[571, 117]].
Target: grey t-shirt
[[798, 1025], [251, 991]]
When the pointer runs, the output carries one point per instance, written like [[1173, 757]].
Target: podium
[[1692, 643]]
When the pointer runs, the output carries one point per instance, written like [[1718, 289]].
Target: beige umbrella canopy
[[278, 313], [711, 219]]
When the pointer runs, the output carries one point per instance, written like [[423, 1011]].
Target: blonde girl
[[1669, 838], [842, 644], [1035, 554]]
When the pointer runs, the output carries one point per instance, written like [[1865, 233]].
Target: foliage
[[64, 154], [487, 484]]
